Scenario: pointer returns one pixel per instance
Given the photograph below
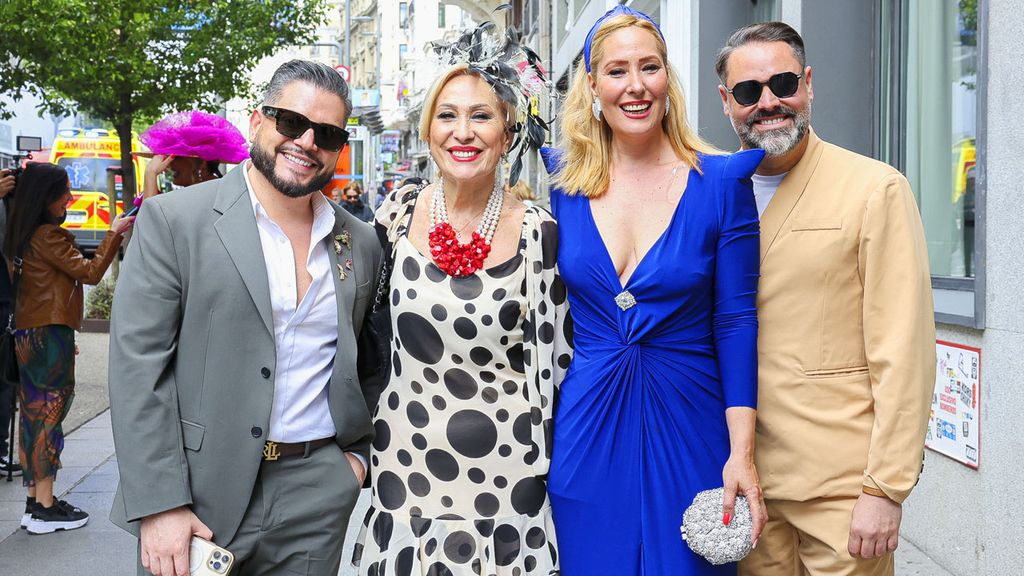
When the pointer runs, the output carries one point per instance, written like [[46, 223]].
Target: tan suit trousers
[[810, 539]]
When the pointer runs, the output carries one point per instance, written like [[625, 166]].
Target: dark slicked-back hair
[[315, 74], [760, 33]]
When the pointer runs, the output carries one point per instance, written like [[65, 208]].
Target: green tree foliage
[[969, 14], [125, 59]]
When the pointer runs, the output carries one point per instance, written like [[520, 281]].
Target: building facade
[[419, 22], [343, 35], [25, 121]]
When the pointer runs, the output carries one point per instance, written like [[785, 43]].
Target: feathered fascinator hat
[[205, 136], [514, 72]]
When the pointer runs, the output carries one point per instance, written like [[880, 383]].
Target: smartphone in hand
[[207, 559]]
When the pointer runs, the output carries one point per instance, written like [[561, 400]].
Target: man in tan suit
[[847, 337]]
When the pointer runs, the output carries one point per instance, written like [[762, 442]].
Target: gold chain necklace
[[459, 230], [666, 183]]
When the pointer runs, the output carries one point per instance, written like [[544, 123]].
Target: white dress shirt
[[306, 332], [764, 189]]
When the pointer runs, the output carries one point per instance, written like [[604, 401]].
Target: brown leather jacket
[[52, 276]]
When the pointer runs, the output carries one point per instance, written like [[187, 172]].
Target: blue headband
[[617, 11]]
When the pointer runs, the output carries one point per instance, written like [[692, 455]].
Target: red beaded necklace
[[451, 256]]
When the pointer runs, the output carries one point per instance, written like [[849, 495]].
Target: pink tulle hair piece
[[205, 136]]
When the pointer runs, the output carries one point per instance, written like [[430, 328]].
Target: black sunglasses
[[748, 92], [294, 125]]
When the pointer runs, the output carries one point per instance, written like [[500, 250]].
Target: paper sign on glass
[[954, 426]]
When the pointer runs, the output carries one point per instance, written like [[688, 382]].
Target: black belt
[[275, 450]]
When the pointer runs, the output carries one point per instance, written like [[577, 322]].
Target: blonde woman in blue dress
[[659, 251]]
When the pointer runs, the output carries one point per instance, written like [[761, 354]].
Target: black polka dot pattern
[[419, 338], [454, 484]]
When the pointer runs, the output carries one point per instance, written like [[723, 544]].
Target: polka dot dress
[[455, 491]]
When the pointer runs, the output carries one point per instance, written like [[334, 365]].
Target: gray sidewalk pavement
[[89, 479]]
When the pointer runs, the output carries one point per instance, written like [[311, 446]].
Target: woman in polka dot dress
[[461, 454]]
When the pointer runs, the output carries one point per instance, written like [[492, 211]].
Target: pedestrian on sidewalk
[[352, 200], [8, 366], [192, 145], [237, 408], [846, 340], [49, 271]]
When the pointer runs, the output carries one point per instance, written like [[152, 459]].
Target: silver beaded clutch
[[705, 534]]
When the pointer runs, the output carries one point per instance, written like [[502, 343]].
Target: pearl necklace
[[450, 255]]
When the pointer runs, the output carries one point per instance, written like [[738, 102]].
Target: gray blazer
[[192, 354]]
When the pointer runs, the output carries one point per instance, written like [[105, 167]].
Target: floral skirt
[[46, 361]]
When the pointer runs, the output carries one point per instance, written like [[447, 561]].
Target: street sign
[[345, 71]]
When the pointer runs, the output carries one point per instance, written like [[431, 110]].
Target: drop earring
[[668, 104], [596, 109]]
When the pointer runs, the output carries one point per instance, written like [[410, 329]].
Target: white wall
[[26, 122], [967, 520]]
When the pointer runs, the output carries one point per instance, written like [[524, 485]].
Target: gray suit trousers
[[297, 517]]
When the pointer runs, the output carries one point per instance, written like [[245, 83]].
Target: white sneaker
[[13, 467], [60, 516], [27, 515]]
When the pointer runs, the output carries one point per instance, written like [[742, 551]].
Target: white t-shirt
[[764, 189]]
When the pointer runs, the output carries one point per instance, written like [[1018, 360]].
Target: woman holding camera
[[49, 271]]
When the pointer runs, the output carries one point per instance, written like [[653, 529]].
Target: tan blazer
[[846, 345]]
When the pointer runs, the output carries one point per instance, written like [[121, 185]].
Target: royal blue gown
[[640, 425]]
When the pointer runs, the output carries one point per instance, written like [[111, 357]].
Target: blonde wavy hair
[[430, 101], [586, 141]]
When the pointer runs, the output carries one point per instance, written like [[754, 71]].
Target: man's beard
[[779, 141], [264, 162]]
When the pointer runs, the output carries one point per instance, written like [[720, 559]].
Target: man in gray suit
[[237, 409]]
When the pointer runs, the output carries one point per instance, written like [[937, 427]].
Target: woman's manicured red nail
[[726, 518]]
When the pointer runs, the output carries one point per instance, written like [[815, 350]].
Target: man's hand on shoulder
[[875, 527], [165, 538]]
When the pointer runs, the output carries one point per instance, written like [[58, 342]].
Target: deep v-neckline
[[610, 262]]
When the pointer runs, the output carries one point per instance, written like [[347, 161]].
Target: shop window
[[765, 10], [942, 132], [929, 127]]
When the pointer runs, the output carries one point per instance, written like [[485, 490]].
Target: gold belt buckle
[[270, 452]]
